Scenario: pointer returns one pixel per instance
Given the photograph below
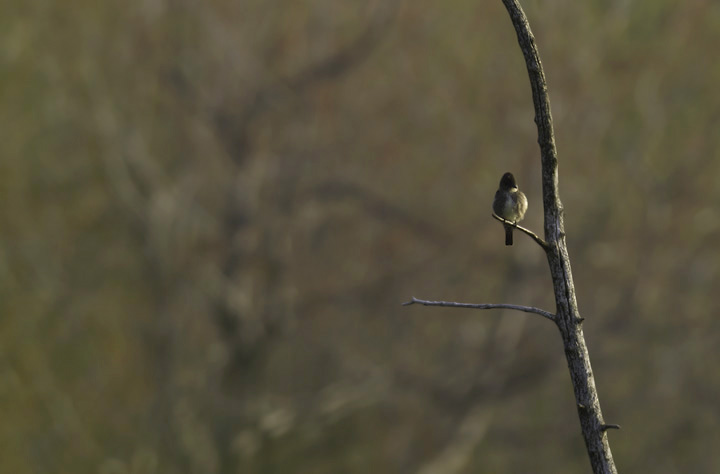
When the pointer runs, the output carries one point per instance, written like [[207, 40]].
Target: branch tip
[[609, 426]]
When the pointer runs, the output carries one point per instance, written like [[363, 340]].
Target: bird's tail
[[508, 235]]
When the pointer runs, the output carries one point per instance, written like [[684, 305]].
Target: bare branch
[[568, 317], [532, 235], [526, 309], [609, 426]]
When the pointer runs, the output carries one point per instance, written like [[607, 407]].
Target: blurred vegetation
[[212, 211]]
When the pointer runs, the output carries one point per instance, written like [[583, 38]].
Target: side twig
[[532, 235], [526, 309]]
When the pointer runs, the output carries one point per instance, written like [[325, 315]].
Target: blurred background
[[212, 211]]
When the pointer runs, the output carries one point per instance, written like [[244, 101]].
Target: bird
[[510, 203]]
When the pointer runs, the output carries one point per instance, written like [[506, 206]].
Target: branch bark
[[526, 309], [530, 233], [567, 318]]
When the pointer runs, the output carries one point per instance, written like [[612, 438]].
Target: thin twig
[[532, 235], [609, 426], [526, 309]]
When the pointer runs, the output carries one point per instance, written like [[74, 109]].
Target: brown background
[[211, 212]]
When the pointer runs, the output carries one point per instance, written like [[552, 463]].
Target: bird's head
[[507, 182]]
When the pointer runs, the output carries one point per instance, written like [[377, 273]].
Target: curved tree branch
[[532, 235], [568, 317]]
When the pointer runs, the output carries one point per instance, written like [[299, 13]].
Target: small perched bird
[[510, 203]]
